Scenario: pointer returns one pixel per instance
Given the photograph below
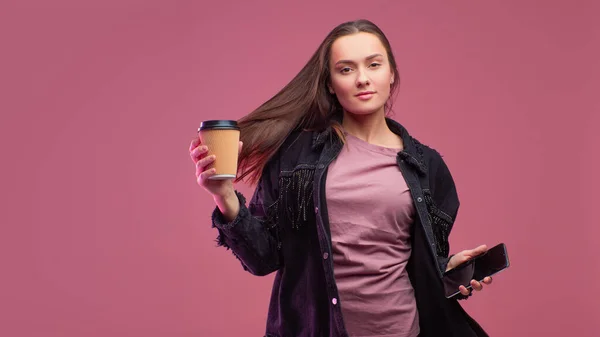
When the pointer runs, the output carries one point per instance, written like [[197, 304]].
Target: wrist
[[227, 195], [228, 204]]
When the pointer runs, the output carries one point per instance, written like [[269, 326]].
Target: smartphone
[[487, 264]]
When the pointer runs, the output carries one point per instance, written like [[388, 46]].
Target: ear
[[392, 80], [330, 89]]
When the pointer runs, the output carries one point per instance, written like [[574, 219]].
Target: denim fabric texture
[[285, 229]]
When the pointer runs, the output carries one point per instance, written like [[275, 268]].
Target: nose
[[362, 79]]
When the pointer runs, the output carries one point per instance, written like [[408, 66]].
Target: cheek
[[343, 86], [384, 82], [385, 88]]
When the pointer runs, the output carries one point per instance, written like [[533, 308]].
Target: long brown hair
[[303, 104]]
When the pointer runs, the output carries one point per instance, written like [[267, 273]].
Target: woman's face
[[361, 75]]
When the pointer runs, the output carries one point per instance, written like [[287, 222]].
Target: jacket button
[[325, 255], [334, 301], [419, 199]]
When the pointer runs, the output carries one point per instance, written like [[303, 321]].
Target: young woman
[[351, 211]]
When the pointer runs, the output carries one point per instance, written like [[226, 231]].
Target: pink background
[[105, 233]]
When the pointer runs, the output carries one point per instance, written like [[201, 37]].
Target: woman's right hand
[[218, 188], [222, 191]]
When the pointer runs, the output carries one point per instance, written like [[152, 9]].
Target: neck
[[371, 128]]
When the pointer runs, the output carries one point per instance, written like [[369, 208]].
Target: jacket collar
[[412, 152]]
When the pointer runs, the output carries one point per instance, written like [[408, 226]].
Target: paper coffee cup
[[222, 138]]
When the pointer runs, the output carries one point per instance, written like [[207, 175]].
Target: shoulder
[[441, 183], [297, 149], [438, 174], [297, 140], [293, 144], [431, 157]]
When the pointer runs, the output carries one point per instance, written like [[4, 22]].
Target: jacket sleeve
[[444, 208], [253, 236], [445, 197]]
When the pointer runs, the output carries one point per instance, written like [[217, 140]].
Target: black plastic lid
[[218, 124]]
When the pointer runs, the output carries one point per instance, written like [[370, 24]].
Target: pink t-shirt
[[370, 214]]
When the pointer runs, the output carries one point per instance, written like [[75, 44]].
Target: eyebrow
[[367, 58]]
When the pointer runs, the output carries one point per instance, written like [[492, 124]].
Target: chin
[[363, 110]]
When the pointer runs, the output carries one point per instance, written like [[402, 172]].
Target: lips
[[365, 93]]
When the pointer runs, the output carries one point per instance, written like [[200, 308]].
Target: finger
[[480, 250], [459, 258], [476, 285], [198, 152], [467, 254], [487, 280], [463, 290], [240, 147], [205, 175], [195, 143], [476, 251], [202, 163]]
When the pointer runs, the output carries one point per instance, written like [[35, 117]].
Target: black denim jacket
[[285, 228]]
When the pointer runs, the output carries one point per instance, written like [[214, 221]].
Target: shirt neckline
[[390, 151]]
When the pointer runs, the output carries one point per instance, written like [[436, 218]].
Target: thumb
[[240, 147]]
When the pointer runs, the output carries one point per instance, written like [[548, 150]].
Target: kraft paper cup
[[222, 138]]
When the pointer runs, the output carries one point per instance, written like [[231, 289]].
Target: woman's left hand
[[464, 256]]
